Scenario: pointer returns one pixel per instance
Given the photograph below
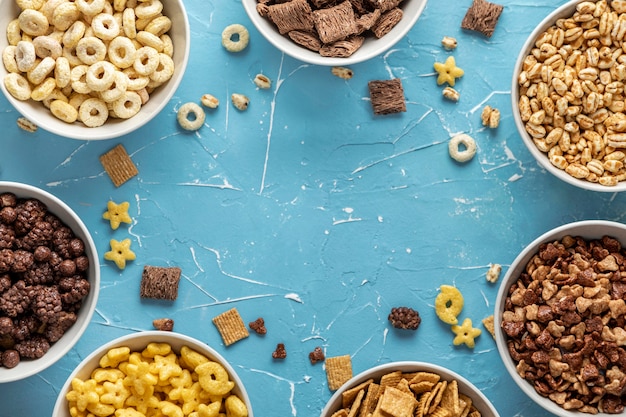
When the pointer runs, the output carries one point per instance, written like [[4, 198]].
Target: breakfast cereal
[[404, 318], [462, 147], [190, 116], [258, 326], [117, 214], [209, 101], [342, 72], [159, 282], [280, 352], [262, 81], [316, 355], [490, 117], [448, 304], [449, 43], [240, 101], [448, 71], [387, 96], [465, 333], [482, 16], [451, 94], [163, 324], [235, 37], [118, 165], [230, 326], [338, 371], [120, 253]]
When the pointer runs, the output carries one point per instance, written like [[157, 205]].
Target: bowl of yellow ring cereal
[[559, 319], [153, 373], [49, 280], [92, 69], [568, 95], [410, 388], [329, 33]]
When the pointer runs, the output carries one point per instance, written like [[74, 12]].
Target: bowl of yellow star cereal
[[49, 280], [567, 95], [153, 373], [409, 388], [328, 33], [559, 319], [91, 69]]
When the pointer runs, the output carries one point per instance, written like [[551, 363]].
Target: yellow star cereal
[[465, 333], [117, 214], [120, 253], [448, 304], [448, 71]]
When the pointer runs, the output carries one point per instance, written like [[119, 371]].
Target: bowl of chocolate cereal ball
[[49, 280], [92, 69], [331, 33], [408, 388], [154, 373], [559, 319], [568, 95]]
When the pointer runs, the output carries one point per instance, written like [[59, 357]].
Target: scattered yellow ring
[[235, 38]]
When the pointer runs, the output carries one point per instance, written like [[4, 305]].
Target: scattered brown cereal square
[[338, 371], [164, 324], [316, 355], [482, 17], [160, 282], [335, 23], [386, 22], [118, 165], [280, 352], [231, 326], [387, 96], [292, 15], [258, 326]]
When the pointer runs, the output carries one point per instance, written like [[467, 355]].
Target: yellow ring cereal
[[164, 70], [17, 85], [33, 22], [197, 116], [128, 23], [30, 4], [122, 52], [93, 112], [448, 304], [78, 77], [100, 75], [235, 38], [128, 105], [64, 15], [47, 46], [148, 9], [25, 55], [41, 71], [90, 50], [8, 59], [74, 34], [105, 26], [62, 72], [90, 7], [14, 33], [117, 89], [159, 25], [146, 60], [462, 147]]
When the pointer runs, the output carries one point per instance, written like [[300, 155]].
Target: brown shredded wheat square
[[338, 371], [160, 282], [482, 17], [387, 96], [231, 326], [118, 165]]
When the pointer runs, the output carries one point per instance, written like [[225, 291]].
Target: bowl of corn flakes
[[347, 33], [559, 319], [411, 388], [49, 280], [568, 95], [153, 373], [92, 69]]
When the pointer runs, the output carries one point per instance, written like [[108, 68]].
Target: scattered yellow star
[[448, 71], [120, 253], [465, 333], [117, 213]]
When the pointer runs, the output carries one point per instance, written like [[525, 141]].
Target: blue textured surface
[[308, 210]]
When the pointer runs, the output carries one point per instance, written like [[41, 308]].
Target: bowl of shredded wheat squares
[[409, 388], [331, 33], [49, 280], [153, 373], [568, 94], [92, 69], [559, 318]]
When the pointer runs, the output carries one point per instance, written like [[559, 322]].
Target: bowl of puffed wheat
[[331, 33], [559, 319], [409, 388], [91, 69], [49, 280], [151, 373], [568, 94]]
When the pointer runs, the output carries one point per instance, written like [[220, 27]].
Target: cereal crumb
[[240, 101], [490, 117], [258, 326], [488, 322], [493, 273], [164, 324], [404, 318], [451, 94], [209, 101], [262, 81], [449, 43], [342, 72], [25, 124], [316, 355], [280, 352]]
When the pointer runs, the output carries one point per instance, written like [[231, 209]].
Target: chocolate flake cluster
[[404, 318], [43, 279], [564, 321]]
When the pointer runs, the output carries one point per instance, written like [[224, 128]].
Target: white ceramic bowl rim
[[138, 341], [564, 10], [113, 128], [58, 349], [367, 51], [479, 398], [586, 228]]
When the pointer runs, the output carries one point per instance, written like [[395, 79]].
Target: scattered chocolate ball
[[404, 318]]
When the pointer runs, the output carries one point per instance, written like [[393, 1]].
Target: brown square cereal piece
[[118, 165], [335, 23], [482, 17], [386, 22], [367, 20], [385, 5], [307, 39], [231, 326], [348, 396], [387, 96], [343, 48], [397, 403], [292, 15], [160, 282], [338, 371]]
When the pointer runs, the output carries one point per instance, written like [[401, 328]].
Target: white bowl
[[58, 349], [563, 11], [37, 113], [371, 47], [479, 400], [588, 229], [137, 342]]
